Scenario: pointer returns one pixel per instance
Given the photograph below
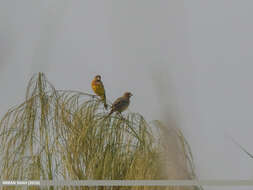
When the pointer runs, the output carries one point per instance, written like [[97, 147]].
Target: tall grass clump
[[57, 135]]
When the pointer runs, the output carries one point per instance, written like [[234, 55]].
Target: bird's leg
[[120, 114]]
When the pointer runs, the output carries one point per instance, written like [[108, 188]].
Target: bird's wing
[[119, 103], [102, 85]]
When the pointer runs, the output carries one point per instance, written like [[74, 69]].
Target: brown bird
[[98, 88], [121, 103]]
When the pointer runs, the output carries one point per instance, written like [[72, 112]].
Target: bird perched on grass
[[121, 103], [98, 88]]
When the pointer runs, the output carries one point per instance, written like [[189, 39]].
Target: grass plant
[[57, 135]]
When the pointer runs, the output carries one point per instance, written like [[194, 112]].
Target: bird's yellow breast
[[98, 88]]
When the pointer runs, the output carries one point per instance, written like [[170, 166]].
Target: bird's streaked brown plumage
[[121, 104], [98, 88]]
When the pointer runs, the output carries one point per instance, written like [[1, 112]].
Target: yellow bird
[[121, 104], [98, 88]]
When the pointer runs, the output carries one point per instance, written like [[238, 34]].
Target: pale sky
[[192, 59]]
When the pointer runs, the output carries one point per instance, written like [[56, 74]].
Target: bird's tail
[[104, 101], [105, 105]]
